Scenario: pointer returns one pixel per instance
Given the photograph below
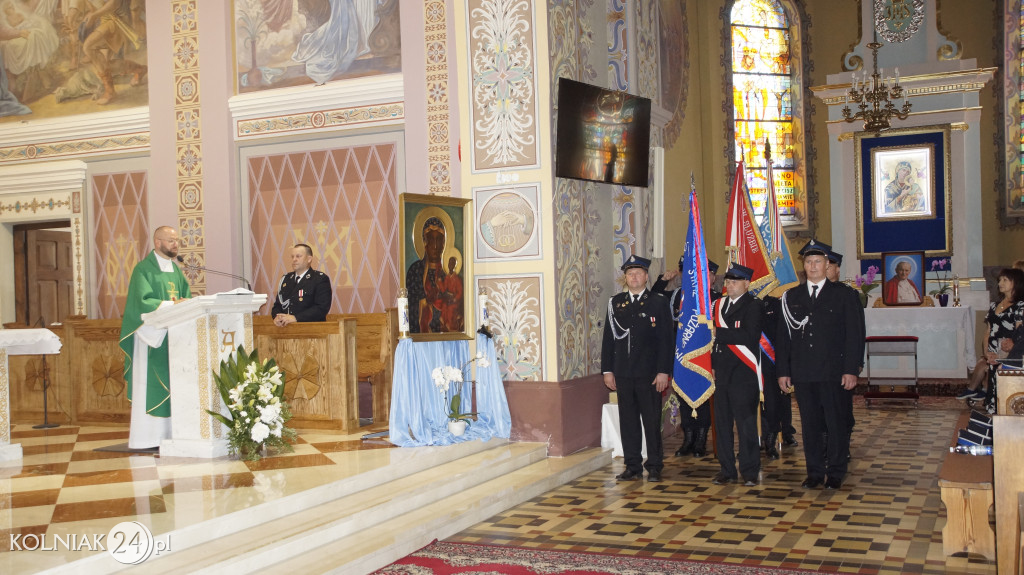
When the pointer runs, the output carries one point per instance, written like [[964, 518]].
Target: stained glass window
[[763, 93]]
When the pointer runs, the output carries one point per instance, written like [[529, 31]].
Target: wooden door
[[49, 276]]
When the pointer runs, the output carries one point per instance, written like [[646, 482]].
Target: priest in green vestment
[[156, 281]]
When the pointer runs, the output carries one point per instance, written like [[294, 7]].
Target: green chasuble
[[148, 288]]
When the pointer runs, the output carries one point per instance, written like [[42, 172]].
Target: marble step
[[381, 544], [295, 534], [397, 464]]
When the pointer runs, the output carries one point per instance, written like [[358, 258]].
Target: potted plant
[[866, 283], [942, 293], [253, 392], [444, 377]]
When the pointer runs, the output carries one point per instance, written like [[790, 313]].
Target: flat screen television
[[603, 135]]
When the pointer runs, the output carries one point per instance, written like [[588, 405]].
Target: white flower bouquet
[[254, 394], [445, 376]]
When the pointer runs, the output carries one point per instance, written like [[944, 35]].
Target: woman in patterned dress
[[1004, 319]]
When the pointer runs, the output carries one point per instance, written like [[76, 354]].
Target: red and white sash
[[744, 353]]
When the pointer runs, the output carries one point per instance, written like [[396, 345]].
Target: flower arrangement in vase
[[253, 392], [444, 377], [866, 283], [942, 293]]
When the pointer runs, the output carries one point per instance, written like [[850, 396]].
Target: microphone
[[248, 286]]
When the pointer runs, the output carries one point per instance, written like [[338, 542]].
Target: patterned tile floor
[[887, 518]]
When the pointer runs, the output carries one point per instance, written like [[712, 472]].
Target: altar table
[[945, 348], [18, 342]]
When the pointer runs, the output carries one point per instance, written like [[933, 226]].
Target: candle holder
[[956, 291], [403, 313]]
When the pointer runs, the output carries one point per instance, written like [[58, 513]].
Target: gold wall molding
[[75, 148], [392, 112]]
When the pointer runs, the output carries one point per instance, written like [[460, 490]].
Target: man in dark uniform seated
[[636, 360], [304, 294], [734, 358], [819, 354], [695, 430]]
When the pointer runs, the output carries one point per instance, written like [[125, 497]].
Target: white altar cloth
[[18, 342], [945, 347]]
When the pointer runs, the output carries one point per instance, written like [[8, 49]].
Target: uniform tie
[[814, 292]]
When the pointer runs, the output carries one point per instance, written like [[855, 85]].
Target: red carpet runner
[[443, 558]]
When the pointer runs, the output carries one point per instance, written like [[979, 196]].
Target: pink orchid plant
[[866, 283], [937, 266]]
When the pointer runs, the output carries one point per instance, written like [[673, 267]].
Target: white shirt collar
[[810, 288], [300, 275], [164, 263]]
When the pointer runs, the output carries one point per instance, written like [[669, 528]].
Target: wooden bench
[[1008, 452], [376, 340], [965, 483]]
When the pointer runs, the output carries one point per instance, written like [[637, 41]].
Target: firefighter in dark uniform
[[835, 261], [304, 294], [695, 429], [734, 360], [636, 359], [819, 352]]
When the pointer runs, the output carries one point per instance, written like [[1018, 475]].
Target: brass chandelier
[[875, 97]]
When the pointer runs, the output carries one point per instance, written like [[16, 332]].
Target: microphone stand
[[181, 259], [46, 385]]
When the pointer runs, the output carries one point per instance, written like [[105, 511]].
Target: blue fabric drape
[[419, 411]]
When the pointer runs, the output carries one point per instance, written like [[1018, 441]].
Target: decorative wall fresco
[[674, 61], [188, 143], [504, 126], [435, 38], [62, 58], [120, 236], [514, 309], [343, 202], [566, 205], [508, 222], [280, 43]]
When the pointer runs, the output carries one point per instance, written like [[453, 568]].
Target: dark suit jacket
[[743, 322], [649, 349], [312, 304], [831, 344]]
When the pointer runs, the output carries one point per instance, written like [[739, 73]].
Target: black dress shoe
[[789, 441], [833, 483], [812, 482], [723, 479], [654, 476], [628, 475]]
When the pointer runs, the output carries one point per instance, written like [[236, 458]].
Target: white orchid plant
[[253, 392], [447, 375]]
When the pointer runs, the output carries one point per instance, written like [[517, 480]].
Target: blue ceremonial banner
[[691, 374], [774, 240]]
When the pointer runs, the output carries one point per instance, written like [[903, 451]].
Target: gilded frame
[[929, 230], [441, 308]]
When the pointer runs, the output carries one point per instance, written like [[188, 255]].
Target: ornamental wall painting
[[60, 59], [280, 43]]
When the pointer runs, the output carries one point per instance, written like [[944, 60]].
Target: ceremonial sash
[[741, 351]]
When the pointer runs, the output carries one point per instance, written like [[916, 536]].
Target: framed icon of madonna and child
[[436, 266]]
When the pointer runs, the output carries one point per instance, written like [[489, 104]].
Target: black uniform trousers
[[736, 400], [823, 411], [640, 412], [778, 406]]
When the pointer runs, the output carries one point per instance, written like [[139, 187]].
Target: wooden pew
[[1008, 452], [965, 484], [376, 340], [318, 359]]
